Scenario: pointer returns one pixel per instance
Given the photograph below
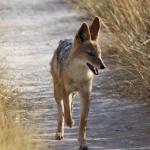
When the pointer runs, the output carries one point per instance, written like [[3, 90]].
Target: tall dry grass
[[128, 24], [12, 135]]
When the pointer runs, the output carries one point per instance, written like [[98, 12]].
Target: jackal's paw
[[83, 148], [59, 136], [70, 123]]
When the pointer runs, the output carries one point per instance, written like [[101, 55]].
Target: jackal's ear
[[95, 28], [83, 34]]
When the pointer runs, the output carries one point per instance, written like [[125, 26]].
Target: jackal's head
[[86, 46]]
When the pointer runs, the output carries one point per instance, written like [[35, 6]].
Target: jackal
[[73, 66]]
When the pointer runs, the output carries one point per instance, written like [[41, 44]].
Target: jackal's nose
[[102, 66], [101, 63]]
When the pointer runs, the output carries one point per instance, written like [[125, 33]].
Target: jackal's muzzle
[[95, 68]]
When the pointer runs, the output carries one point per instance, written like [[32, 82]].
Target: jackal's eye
[[90, 54]]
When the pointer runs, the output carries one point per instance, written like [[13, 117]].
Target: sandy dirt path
[[30, 31]]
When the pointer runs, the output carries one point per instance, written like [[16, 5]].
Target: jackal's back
[[62, 52], [61, 55]]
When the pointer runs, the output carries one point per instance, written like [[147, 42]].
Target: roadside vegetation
[[127, 22], [12, 135]]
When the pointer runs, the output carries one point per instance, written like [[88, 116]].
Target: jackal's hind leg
[[60, 126], [58, 98]]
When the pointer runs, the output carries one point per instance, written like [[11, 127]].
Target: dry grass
[[12, 135], [128, 24]]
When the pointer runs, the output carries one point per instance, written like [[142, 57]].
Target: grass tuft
[[12, 135]]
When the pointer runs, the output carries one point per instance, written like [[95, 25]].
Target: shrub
[[128, 24]]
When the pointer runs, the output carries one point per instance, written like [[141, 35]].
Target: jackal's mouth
[[93, 69]]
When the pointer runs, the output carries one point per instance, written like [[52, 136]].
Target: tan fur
[[76, 77]]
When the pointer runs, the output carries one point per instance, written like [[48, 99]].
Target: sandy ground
[[30, 31]]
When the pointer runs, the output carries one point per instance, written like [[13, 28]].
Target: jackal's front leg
[[84, 110], [67, 99]]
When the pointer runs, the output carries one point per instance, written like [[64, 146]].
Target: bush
[[128, 24]]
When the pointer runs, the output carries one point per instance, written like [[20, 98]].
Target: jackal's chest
[[77, 77]]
